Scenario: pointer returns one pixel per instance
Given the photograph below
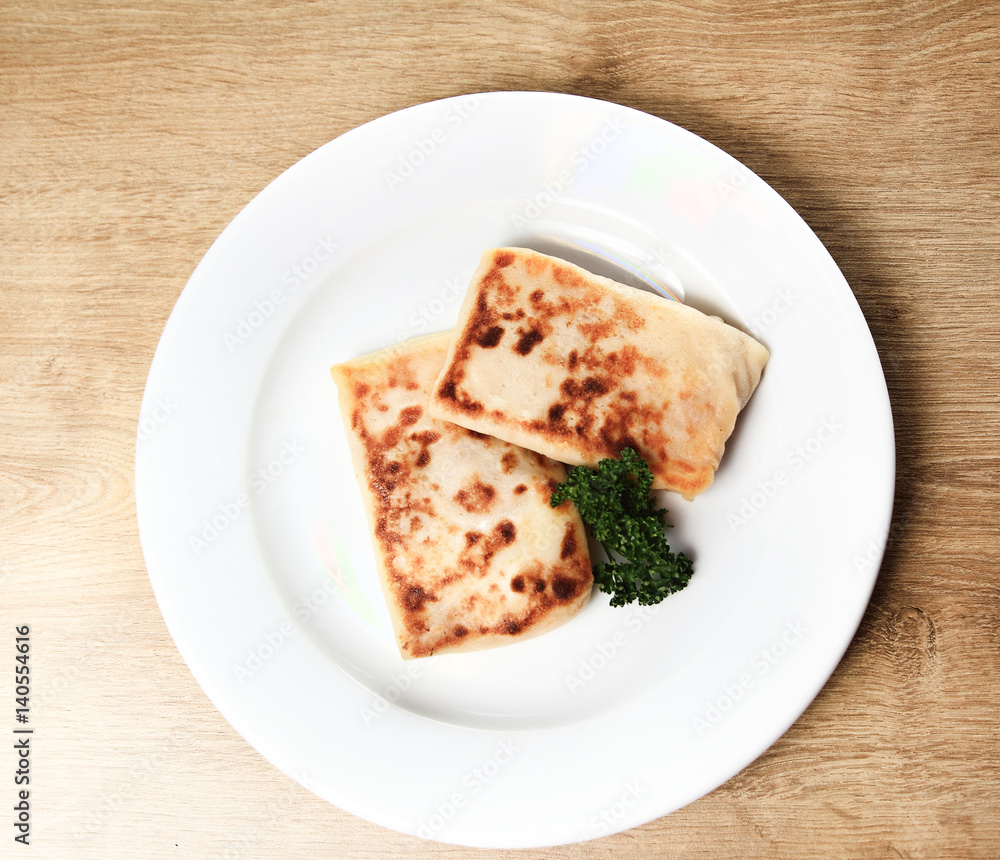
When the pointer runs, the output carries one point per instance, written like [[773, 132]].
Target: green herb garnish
[[616, 503]]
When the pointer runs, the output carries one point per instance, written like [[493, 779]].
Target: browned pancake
[[469, 553], [579, 367]]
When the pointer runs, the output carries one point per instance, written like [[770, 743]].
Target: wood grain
[[131, 134]]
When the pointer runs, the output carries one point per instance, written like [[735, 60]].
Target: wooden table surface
[[131, 134]]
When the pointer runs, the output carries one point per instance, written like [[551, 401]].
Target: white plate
[[252, 525]]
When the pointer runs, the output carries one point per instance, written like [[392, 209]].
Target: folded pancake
[[469, 553], [579, 367]]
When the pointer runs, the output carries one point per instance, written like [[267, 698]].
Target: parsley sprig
[[616, 503]]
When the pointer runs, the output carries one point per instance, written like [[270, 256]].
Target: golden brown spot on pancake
[[361, 389], [507, 531], [564, 588], [520, 488], [460, 631], [484, 315], [491, 337], [517, 584], [535, 265], [426, 437], [384, 533], [512, 627], [508, 462], [539, 586], [568, 542], [477, 497], [573, 360], [628, 315], [528, 341], [615, 437], [449, 391], [504, 292], [596, 330], [400, 373], [630, 359], [567, 277], [556, 412], [503, 259], [536, 296], [414, 598], [383, 488], [479, 551], [411, 414], [585, 389], [391, 437], [390, 463]]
